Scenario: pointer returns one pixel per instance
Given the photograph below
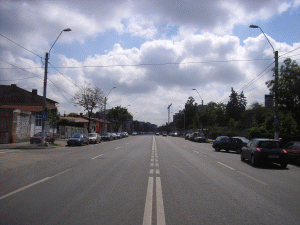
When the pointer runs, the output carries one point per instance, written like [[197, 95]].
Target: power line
[[21, 46], [63, 75], [151, 64]]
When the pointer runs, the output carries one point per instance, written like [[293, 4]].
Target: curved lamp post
[[198, 94], [276, 118], [44, 114], [105, 99]]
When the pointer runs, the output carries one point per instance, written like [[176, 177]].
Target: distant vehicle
[[293, 150], [114, 135], [164, 134], [94, 138], [106, 137], [260, 150], [119, 135], [134, 133], [125, 134], [157, 133], [193, 135], [228, 143], [200, 138], [187, 136], [78, 139], [37, 138], [244, 140]]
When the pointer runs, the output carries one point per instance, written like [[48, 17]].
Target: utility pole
[[276, 119]]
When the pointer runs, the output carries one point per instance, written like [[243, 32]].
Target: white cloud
[[188, 44]]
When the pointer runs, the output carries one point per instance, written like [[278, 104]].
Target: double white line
[[160, 216]]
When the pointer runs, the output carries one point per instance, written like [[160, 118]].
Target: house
[[79, 124], [21, 113]]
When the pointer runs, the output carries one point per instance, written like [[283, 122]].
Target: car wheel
[[242, 157], [253, 161], [283, 165], [217, 149]]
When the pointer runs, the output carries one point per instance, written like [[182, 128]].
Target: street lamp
[[44, 114], [105, 99], [198, 94], [276, 118]]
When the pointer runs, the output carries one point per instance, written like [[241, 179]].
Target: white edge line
[[30, 185], [226, 166]]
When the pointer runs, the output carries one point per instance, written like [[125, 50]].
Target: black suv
[[260, 150], [227, 143]]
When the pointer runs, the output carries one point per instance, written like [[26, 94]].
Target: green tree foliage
[[72, 114], [190, 113], [288, 90], [118, 115], [89, 98], [236, 105]]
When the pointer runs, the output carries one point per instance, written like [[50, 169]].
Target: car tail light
[[257, 150], [284, 151]]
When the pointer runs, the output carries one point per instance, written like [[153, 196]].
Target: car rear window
[[269, 144], [92, 135]]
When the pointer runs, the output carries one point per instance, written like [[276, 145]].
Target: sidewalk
[[27, 145]]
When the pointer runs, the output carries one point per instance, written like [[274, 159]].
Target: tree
[[118, 115], [236, 105], [89, 98], [288, 91], [190, 113], [72, 114]]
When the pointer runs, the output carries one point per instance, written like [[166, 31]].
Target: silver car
[[94, 138]]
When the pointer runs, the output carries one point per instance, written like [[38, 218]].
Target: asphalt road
[[144, 180]]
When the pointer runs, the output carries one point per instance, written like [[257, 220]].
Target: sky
[[154, 52]]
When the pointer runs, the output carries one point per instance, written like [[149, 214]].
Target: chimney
[[34, 91]]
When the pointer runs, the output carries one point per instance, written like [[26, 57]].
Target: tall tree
[[89, 98], [118, 115], [190, 113], [288, 91], [236, 105]]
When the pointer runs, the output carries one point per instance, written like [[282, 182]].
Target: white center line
[[159, 203], [148, 206], [97, 156]]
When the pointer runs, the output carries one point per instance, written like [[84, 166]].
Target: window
[[38, 119]]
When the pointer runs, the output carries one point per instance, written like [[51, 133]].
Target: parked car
[[193, 135], [126, 134], [293, 150], [227, 143], [119, 135], [187, 136], [106, 137], [164, 134], [114, 135], [134, 133], [94, 138], [244, 140], [200, 138], [157, 133], [78, 139], [37, 138], [260, 150]]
